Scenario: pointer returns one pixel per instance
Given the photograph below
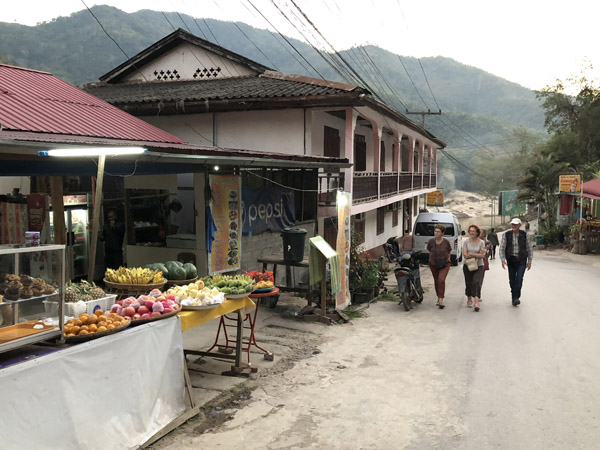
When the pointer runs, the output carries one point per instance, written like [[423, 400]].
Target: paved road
[[503, 378]]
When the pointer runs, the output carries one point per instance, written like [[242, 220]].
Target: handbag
[[439, 263], [486, 264], [471, 264]]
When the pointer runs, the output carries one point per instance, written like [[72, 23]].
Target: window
[[426, 228], [360, 153], [380, 220], [395, 217], [358, 225], [382, 156], [331, 142]]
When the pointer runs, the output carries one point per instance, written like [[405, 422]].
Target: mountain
[[477, 107]]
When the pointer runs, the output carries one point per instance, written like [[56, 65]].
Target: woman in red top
[[439, 261]]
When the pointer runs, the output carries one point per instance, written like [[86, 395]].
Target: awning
[[591, 189]]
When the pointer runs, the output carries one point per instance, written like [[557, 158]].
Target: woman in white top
[[473, 248]]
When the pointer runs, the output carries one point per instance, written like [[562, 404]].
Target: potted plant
[[370, 278]]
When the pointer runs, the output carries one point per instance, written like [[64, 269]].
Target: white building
[[210, 96]]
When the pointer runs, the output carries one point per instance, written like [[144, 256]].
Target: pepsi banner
[[265, 209]]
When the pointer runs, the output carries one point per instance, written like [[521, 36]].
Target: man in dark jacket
[[493, 238], [516, 251], [113, 235]]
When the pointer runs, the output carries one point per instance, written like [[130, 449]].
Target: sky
[[530, 42]]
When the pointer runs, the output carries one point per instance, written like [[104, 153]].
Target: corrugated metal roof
[[252, 87], [35, 101]]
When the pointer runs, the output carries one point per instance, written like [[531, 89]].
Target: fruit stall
[[119, 347]]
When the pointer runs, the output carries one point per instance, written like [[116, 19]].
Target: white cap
[[516, 221]]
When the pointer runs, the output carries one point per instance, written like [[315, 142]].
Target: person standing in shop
[[113, 235], [516, 252]]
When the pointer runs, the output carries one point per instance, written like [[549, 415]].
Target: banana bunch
[[136, 275]]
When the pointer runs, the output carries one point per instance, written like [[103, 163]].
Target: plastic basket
[[75, 309]]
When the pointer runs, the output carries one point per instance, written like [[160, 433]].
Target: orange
[[101, 317], [83, 332], [101, 329], [67, 329], [98, 312], [70, 334], [75, 329], [92, 327], [92, 319], [83, 318], [102, 324], [110, 326], [71, 322], [84, 328], [78, 322]]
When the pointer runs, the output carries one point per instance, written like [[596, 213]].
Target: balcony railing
[[328, 185], [364, 184], [388, 184]]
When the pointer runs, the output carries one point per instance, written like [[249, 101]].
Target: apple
[[119, 310], [158, 307], [149, 304], [167, 310], [135, 305], [120, 302], [155, 314], [114, 308], [129, 300], [143, 310], [129, 311], [145, 316], [136, 317]]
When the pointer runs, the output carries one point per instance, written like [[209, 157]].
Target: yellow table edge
[[191, 319]]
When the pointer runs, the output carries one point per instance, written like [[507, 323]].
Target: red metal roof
[[34, 101]]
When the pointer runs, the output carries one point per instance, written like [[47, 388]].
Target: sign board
[[226, 208], [342, 247], [569, 184], [267, 209], [435, 198], [509, 205]]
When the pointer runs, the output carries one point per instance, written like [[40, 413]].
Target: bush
[[553, 234]]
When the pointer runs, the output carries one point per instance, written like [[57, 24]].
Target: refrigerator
[[78, 235]]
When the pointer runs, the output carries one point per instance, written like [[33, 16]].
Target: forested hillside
[[478, 107]]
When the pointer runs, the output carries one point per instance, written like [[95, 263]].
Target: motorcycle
[[408, 277], [391, 249]]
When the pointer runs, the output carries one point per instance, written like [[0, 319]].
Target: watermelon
[[190, 271], [177, 273], [171, 265], [163, 269]]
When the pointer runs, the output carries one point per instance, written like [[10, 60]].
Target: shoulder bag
[[471, 264]]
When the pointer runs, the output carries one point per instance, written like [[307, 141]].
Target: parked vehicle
[[392, 249], [408, 277], [423, 231]]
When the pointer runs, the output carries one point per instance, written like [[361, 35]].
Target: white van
[[423, 231]]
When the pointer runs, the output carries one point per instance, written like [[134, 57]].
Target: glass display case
[[31, 279], [76, 222]]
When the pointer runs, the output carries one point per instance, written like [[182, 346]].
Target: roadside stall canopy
[[591, 189]]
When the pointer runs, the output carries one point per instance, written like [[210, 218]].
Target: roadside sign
[[569, 184], [435, 198]]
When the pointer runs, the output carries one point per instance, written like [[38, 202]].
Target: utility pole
[[423, 114]]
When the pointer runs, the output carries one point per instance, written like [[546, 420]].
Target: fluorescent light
[[93, 151], [216, 168]]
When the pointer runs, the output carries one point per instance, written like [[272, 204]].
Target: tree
[[540, 183]]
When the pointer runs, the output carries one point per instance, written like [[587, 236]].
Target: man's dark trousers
[[516, 272]]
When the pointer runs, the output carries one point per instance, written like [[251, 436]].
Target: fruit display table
[[113, 392], [250, 317], [191, 319]]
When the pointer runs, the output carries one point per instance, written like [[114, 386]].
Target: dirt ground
[[300, 362]]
